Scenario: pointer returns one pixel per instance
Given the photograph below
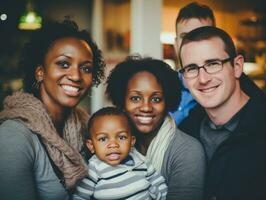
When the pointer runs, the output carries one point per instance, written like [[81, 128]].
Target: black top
[[237, 169]]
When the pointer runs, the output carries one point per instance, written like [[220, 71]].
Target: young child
[[117, 170]]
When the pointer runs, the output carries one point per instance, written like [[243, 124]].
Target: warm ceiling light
[[30, 20]]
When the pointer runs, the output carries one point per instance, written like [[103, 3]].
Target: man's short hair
[[195, 10], [208, 32]]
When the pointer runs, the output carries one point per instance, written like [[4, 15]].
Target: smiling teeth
[[208, 90], [144, 120], [70, 88]]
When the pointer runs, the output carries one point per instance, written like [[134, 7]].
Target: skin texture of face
[[66, 74], [145, 102], [111, 138], [219, 92], [185, 26]]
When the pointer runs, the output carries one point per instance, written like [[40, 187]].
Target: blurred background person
[[191, 16]]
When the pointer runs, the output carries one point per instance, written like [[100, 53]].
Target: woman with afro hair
[[147, 89]]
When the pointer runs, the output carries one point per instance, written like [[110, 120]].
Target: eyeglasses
[[192, 71]]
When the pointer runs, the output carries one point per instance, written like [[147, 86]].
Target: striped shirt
[[134, 179]]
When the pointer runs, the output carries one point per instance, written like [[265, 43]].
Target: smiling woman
[[66, 73], [143, 88], [41, 131], [148, 89]]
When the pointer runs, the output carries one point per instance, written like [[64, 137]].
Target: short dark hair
[[208, 32], [195, 10], [41, 41], [110, 110], [117, 82]]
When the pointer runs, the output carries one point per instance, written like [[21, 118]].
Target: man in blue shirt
[[190, 17]]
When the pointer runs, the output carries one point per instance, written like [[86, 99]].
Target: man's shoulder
[[254, 118], [192, 122]]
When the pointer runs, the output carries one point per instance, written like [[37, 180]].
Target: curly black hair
[[42, 40], [117, 81], [105, 111]]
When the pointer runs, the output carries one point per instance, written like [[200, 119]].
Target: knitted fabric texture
[[160, 143], [64, 151]]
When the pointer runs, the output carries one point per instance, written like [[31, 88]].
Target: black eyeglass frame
[[182, 71]]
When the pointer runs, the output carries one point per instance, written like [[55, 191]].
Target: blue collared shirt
[[186, 104]]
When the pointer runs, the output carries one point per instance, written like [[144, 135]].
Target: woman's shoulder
[[183, 138], [183, 143], [15, 133], [14, 128], [184, 151]]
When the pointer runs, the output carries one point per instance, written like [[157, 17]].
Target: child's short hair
[[110, 110]]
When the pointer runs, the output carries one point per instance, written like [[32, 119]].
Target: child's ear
[[90, 145], [133, 141]]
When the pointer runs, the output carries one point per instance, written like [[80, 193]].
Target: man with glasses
[[191, 16], [232, 127], [210, 67]]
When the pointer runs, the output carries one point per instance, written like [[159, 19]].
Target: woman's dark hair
[[117, 82], [111, 111], [42, 40]]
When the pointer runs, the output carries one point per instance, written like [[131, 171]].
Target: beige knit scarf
[[63, 151], [160, 143]]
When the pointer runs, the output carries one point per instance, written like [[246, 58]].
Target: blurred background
[[122, 27]]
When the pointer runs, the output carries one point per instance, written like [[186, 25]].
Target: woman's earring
[[36, 84], [39, 76]]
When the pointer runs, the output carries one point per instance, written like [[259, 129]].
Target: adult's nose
[[146, 106], [74, 73], [203, 76]]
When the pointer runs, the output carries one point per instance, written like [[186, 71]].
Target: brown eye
[[86, 69], [102, 139], [63, 64], [156, 99], [122, 137], [135, 98]]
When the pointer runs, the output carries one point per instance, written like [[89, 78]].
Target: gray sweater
[[135, 179], [183, 168], [25, 169]]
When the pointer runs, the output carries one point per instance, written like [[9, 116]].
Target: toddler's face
[[111, 138]]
